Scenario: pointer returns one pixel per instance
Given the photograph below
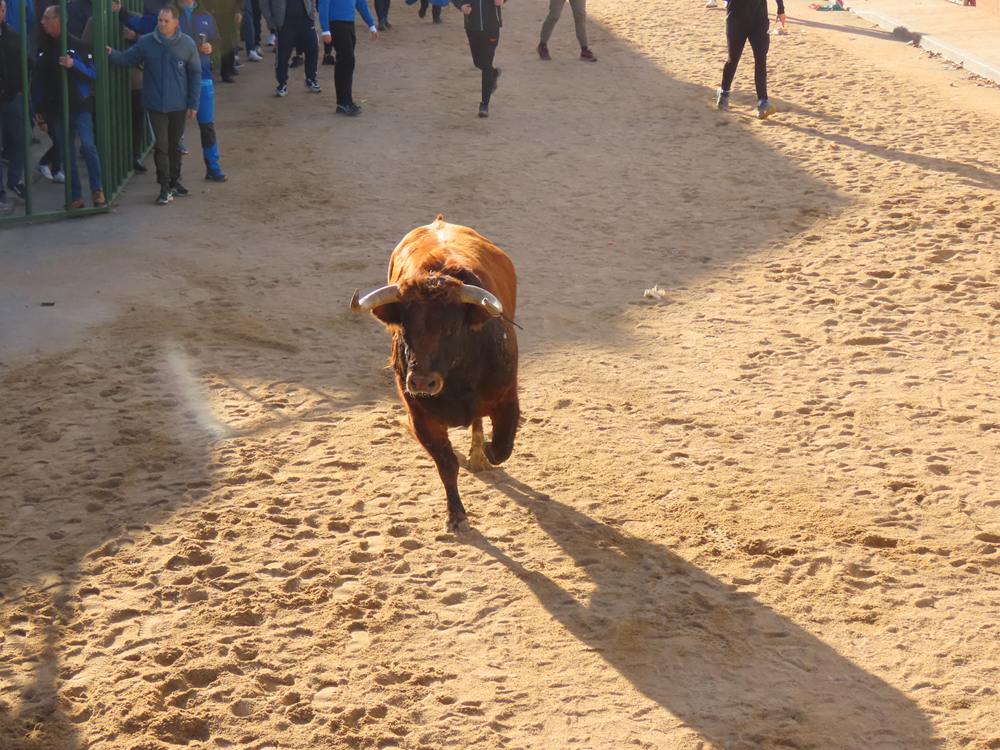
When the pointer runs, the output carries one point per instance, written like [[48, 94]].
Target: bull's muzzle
[[424, 384]]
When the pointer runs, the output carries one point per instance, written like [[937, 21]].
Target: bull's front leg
[[477, 456], [504, 418], [434, 437]]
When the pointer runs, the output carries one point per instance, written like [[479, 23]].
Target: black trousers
[[303, 38], [483, 45], [435, 11], [344, 40], [382, 10], [738, 31], [168, 129]]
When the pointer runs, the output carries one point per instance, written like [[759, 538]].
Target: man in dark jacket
[[11, 107], [746, 20], [47, 88], [171, 87], [482, 27], [294, 25]]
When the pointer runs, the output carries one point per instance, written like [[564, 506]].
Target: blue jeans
[[12, 138], [206, 124], [81, 125]]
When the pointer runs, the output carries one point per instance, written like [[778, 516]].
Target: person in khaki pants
[[579, 8]]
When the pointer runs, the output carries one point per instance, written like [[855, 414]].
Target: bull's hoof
[[457, 522], [478, 462]]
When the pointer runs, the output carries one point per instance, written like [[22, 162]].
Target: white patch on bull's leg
[[477, 456]]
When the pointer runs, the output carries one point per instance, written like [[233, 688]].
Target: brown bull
[[450, 305]]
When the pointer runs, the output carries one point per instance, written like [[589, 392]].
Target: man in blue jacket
[[294, 25], [171, 87], [336, 19], [200, 26]]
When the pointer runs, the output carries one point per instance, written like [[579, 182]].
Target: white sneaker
[[59, 177], [44, 171], [254, 56], [712, 4], [271, 40]]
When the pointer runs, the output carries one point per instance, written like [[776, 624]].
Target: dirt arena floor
[[757, 510]]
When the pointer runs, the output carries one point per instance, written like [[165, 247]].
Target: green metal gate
[[112, 112]]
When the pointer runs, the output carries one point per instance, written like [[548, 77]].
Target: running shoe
[[164, 197], [45, 171], [484, 109], [722, 100], [543, 51], [587, 55], [179, 191], [254, 56], [313, 85], [765, 109], [282, 90], [351, 110]]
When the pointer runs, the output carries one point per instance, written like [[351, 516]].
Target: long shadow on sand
[[731, 668]]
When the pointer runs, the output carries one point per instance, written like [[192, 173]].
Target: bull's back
[[439, 245]]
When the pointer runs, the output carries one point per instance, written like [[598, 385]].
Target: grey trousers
[[579, 18]]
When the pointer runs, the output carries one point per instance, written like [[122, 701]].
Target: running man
[[482, 26], [746, 20], [579, 8]]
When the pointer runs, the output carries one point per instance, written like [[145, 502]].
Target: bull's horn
[[474, 295], [381, 296]]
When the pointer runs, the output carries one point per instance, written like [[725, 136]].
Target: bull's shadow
[[731, 668]]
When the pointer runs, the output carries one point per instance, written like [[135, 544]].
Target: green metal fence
[[112, 111]]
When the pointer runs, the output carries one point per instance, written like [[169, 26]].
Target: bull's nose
[[429, 384]]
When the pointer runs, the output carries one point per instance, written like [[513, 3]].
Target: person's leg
[[161, 147], [436, 13], [555, 10], [138, 124], [423, 8], [206, 127], [71, 162], [175, 131], [255, 6], [284, 43], [760, 41], [308, 43], [228, 61], [579, 8], [12, 138], [84, 126], [736, 37], [381, 10], [343, 45], [483, 46]]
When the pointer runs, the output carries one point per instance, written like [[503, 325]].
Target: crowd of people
[[170, 47]]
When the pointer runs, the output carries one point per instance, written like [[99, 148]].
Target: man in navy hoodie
[[482, 26], [746, 20], [336, 19], [171, 87]]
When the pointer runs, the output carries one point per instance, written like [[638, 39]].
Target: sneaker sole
[[763, 115]]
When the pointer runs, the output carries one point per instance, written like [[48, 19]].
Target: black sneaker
[[351, 110], [484, 110], [282, 90], [329, 60], [179, 190], [313, 85], [165, 197], [215, 176], [296, 61]]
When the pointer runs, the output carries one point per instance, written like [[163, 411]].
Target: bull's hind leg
[[477, 458], [434, 437], [504, 419]]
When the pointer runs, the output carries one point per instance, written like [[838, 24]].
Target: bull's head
[[432, 317]]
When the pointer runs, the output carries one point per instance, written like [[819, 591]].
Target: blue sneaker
[[215, 176]]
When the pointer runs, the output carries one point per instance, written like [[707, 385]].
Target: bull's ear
[[388, 314], [476, 316]]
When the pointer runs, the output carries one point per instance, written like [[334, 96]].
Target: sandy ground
[[760, 511]]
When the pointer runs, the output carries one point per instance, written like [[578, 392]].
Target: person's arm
[[781, 11], [362, 6], [194, 80], [82, 64], [130, 58], [324, 19]]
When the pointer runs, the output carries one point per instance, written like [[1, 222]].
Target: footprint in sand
[[359, 638]]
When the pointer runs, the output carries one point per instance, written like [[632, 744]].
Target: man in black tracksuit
[[482, 26], [746, 20]]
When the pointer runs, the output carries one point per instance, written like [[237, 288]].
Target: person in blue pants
[[200, 26]]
